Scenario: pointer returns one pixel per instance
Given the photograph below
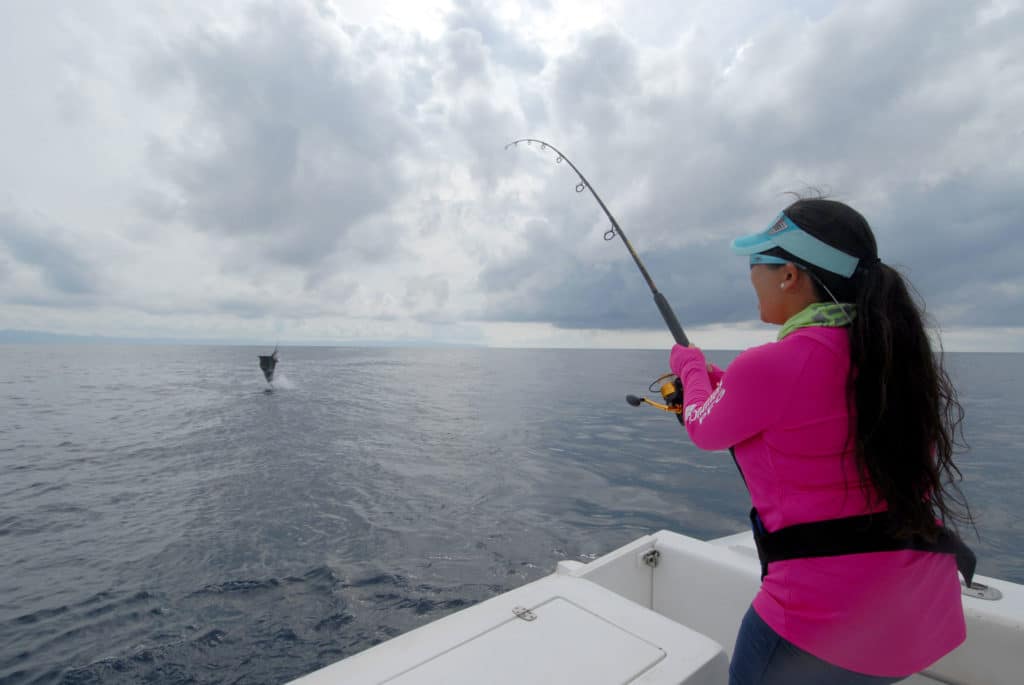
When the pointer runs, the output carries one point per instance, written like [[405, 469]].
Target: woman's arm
[[740, 407]]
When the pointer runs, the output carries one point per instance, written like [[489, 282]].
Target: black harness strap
[[851, 535]]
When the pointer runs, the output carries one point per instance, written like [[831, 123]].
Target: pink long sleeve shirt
[[782, 407]]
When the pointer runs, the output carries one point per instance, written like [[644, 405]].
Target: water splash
[[281, 381]]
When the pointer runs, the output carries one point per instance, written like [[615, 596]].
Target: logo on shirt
[[698, 414]]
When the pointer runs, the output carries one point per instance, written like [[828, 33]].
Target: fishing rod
[[663, 306], [672, 390]]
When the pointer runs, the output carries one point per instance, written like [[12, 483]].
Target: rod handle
[[670, 319]]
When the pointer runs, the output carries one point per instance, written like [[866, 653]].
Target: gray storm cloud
[[294, 137], [298, 160], [872, 103], [50, 253]]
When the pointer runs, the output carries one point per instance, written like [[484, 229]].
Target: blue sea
[[164, 519]]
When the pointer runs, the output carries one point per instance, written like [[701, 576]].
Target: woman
[[843, 431]]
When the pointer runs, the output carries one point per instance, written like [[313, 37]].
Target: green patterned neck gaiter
[[820, 314]]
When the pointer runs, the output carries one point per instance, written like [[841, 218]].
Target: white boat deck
[[629, 617]]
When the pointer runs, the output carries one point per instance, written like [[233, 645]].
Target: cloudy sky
[[334, 171]]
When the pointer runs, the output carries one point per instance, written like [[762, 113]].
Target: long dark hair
[[908, 417]]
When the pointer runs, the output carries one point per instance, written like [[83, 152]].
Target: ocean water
[[164, 519]]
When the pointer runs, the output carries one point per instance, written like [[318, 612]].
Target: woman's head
[[906, 414], [829, 240], [842, 227]]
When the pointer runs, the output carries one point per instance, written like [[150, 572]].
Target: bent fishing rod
[[663, 306], [671, 390]]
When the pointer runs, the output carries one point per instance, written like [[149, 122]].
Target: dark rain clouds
[[51, 255], [299, 139], [911, 116]]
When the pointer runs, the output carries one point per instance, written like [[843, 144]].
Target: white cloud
[[331, 170]]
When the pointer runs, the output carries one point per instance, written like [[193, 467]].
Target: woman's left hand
[[680, 355]]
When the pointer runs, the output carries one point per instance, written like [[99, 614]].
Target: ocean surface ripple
[[164, 519]]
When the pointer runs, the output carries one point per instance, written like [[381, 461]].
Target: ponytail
[[908, 420]]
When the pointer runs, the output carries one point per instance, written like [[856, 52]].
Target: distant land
[[22, 337]]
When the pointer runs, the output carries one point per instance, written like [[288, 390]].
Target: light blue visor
[[794, 240]]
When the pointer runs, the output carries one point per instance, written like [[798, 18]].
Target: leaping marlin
[[267, 364]]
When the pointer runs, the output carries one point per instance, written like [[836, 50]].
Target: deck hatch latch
[[524, 613], [652, 557]]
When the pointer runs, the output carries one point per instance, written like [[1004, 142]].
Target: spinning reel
[[671, 390]]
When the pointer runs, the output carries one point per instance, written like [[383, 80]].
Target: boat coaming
[[664, 608]]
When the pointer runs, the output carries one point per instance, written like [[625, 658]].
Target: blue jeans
[[762, 657]]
